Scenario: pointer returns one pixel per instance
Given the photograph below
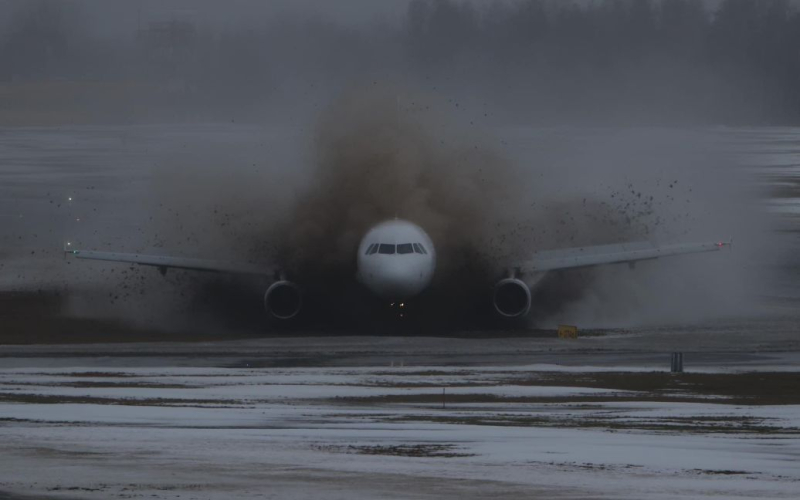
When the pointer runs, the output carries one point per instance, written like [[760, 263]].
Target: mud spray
[[487, 199], [380, 156]]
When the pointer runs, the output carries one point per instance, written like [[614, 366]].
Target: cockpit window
[[417, 249], [374, 249], [422, 248], [369, 249], [405, 248], [386, 249]]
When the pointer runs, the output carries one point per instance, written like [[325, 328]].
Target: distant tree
[[683, 29], [439, 32], [756, 43], [43, 40]]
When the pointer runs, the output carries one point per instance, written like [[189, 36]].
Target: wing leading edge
[[164, 262], [552, 260], [549, 260]]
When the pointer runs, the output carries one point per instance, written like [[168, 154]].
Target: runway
[[770, 340], [367, 417]]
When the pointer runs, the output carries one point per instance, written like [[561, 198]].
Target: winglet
[[68, 250], [723, 244]]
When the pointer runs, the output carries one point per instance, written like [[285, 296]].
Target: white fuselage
[[396, 260]]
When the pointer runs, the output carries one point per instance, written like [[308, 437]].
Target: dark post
[[676, 362]]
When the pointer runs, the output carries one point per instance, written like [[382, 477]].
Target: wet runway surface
[[770, 342]]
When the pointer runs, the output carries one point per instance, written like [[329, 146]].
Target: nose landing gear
[[398, 309]]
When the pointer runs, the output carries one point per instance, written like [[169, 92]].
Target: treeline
[[735, 61], [527, 61]]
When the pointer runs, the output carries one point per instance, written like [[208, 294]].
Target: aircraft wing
[[163, 262], [569, 258]]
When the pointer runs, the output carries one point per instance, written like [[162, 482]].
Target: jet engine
[[511, 298], [283, 300]]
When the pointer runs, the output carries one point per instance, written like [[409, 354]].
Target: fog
[[500, 127], [525, 62]]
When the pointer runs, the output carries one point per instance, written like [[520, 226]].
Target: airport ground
[[101, 406], [407, 417]]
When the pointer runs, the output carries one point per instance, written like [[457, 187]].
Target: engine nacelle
[[511, 298], [283, 300]]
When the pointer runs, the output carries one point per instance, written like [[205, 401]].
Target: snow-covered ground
[[379, 432]]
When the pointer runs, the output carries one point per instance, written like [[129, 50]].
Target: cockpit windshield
[[401, 248]]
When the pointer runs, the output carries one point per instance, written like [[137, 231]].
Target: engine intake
[[283, 300], [511, 298]]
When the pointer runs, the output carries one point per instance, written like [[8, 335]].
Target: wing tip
[[724, 243]]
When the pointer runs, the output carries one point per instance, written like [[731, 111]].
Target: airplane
[[397, 260]]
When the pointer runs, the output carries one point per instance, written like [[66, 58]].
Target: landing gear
[[398, 309]]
